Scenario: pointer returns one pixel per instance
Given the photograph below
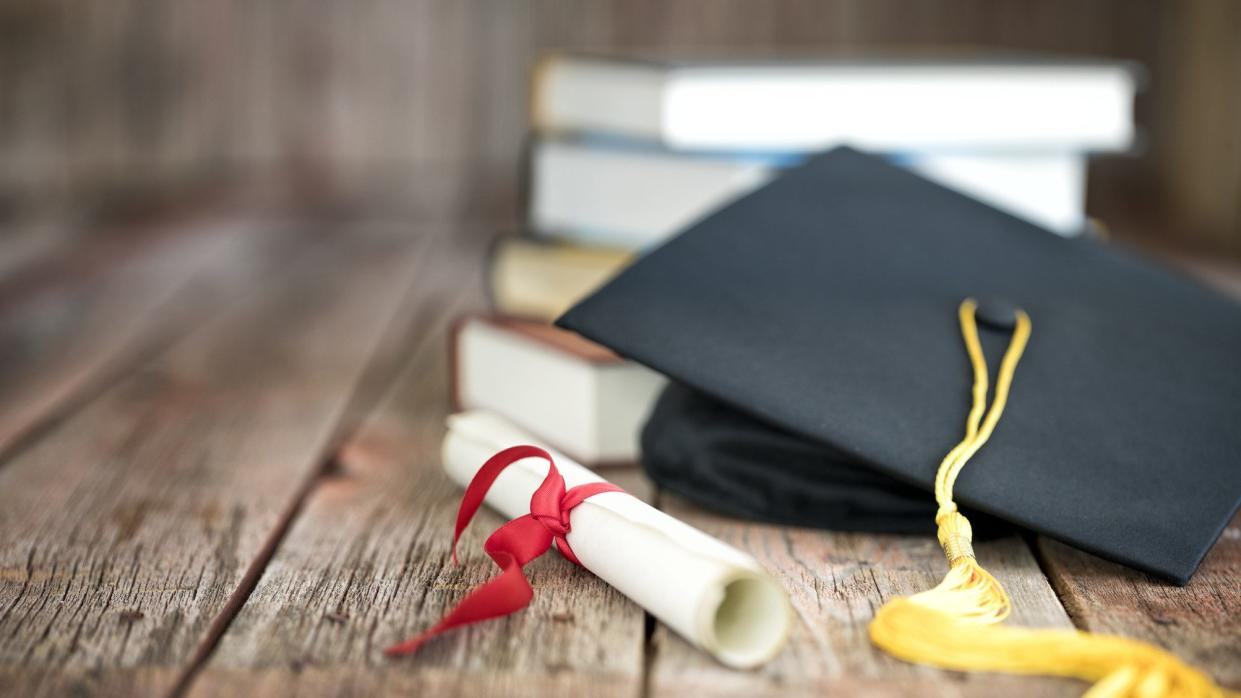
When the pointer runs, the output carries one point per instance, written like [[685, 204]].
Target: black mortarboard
[[825, 306]]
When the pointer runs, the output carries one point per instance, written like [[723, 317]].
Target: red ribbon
[[513, 545]]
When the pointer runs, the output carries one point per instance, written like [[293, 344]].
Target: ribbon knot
[[514, 544], [557, 523], [945, 511], [548, 506]]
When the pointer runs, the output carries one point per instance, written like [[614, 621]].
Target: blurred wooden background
[[420, 105]]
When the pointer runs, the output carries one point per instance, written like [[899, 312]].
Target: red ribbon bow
[[514, 544]]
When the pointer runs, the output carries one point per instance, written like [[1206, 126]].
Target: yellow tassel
[[956, 625], [1119, 667]]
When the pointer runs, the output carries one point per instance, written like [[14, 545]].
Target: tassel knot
[[956, 535], [946, 509]]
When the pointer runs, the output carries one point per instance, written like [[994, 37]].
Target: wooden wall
[[423, 102], [1201, 156]]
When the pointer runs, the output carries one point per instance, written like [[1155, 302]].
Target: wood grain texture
[[836, 581], [128, 529], [367, 564], [1200, 622], [66, 340]]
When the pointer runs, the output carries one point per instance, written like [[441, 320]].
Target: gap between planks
[[441, 287], [82, 472], [1200, 622], [219, 625], [383, 365], [366, 564]]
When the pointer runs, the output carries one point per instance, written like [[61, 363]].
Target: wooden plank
[[1200, 622], [74, 243], [130, 532], [836, 581], [367, 564], [64, 342], [27, 244], [1223, 274]]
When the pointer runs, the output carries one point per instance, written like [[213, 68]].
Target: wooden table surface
[[219, 475]]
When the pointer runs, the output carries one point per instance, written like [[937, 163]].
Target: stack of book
[[626, 153]]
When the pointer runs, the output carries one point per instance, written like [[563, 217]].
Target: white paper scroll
[[712, 594]]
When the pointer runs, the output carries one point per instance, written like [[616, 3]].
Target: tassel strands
[[957, 624]]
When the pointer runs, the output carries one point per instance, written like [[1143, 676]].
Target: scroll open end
[[750, 622]]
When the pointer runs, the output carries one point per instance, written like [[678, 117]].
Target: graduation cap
[[821, 311]]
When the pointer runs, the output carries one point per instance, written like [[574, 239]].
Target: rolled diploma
[[710, 593]]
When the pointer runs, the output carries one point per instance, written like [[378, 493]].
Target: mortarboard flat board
[[825, 304]]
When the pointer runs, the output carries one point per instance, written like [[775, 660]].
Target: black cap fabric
[[721, 458], [825, 304]]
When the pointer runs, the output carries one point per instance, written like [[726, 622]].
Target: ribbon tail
[[512, 545], [504, 594]]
